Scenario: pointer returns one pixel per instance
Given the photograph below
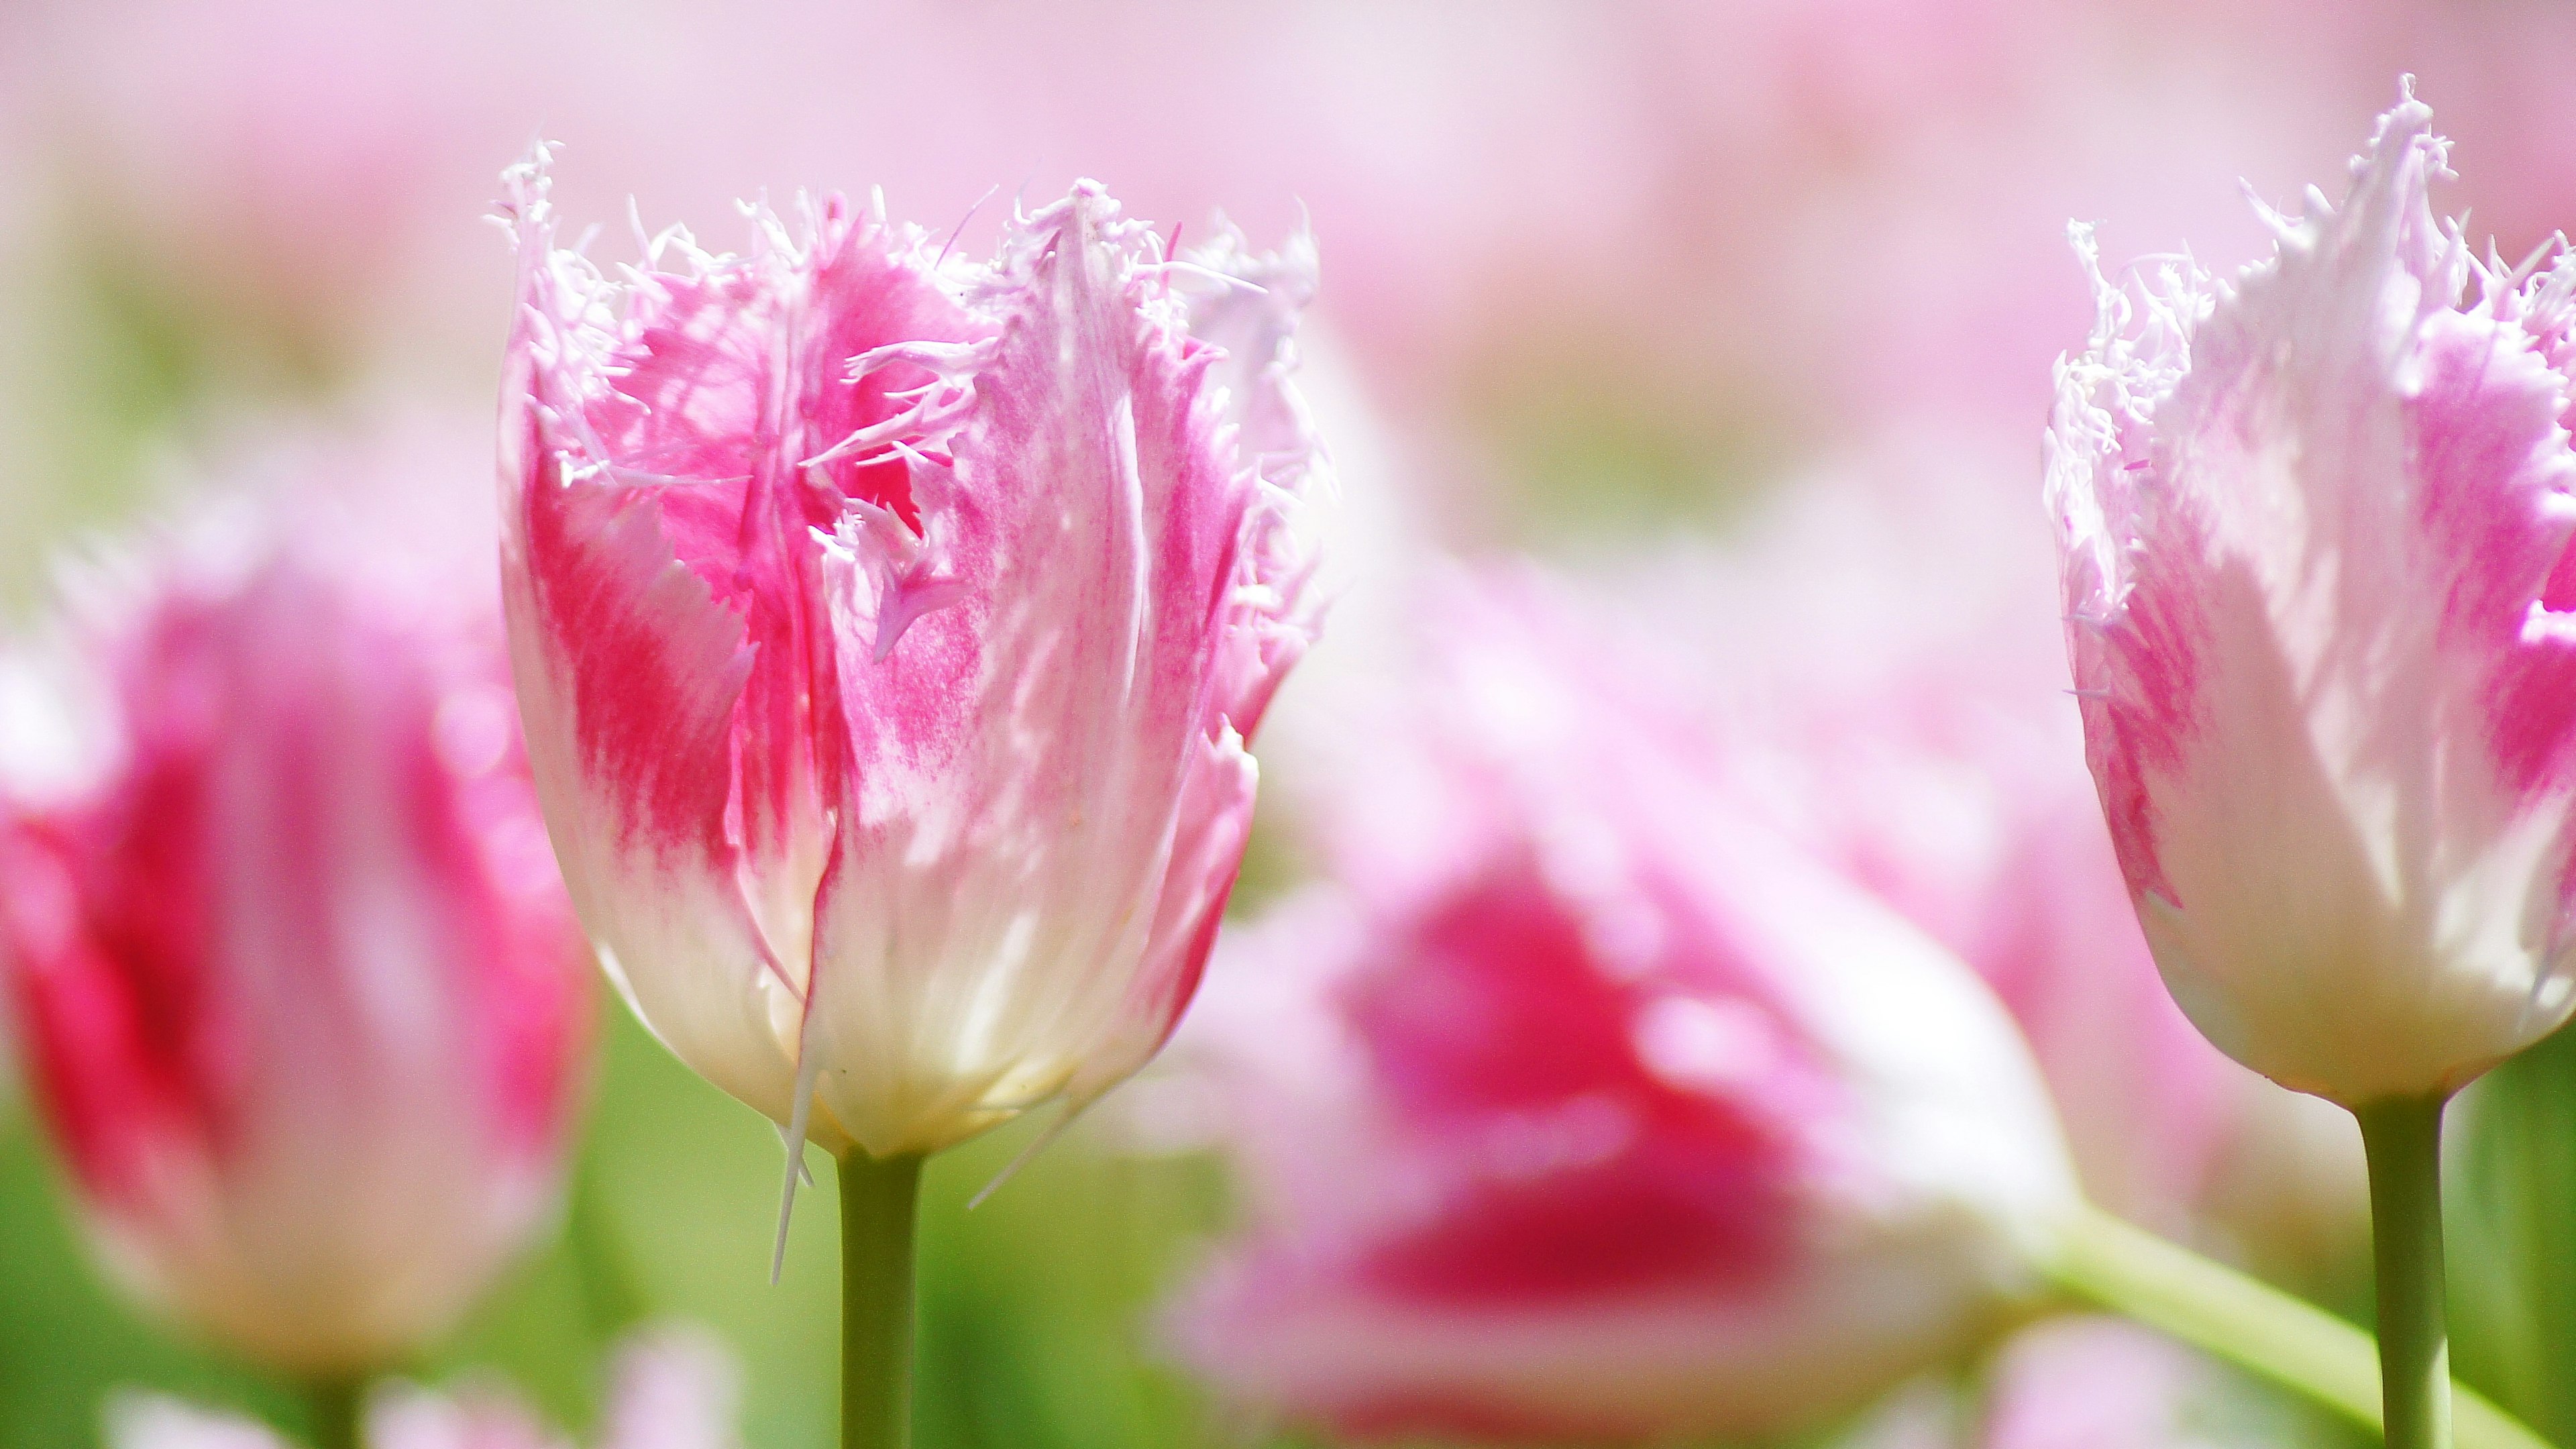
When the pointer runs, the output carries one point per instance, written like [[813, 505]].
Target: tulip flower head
[[2314, 531], [1581, 1106], [301, 995], [888, 629]]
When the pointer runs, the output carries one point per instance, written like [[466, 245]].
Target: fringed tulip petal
[[2309, 526], [891, 626]]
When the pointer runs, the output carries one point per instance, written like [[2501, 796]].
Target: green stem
[[880, 1199], [2403, 1139], [2210, 1306], [335, 1407]]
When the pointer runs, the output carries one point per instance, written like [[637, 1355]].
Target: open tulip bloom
[[888, 630], [2315, 530]]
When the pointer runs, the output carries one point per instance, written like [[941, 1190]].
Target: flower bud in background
[[888, 630], [668, 1389], [298, 988], [1579, 1105], [2313, 530]]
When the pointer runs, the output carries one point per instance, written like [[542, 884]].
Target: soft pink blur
[[1787, 209], [668, 1389], [2095, 1383], [1880, 651], [2072, 1383], [1578, 1103], [295, 975]]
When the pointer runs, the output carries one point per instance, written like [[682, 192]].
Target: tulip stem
[[2253, 1325], [2403, 1140], [880, 1201], [336, 1410]]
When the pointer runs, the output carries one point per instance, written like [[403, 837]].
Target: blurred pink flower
[[889, 628], [297, 983], [668, 1389], [2313, 530], [1581, 1105], [1876, 652], [2094, 1383]]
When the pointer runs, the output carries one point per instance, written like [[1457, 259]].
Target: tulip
[[2313, 525], [298, 988], [2309, 532], [888, 631], [1876, 649], [1580, 1105]]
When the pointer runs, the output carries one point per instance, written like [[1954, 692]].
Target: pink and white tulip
[[1581, 1105], [2314, 528], [296, 980], [888, 630]]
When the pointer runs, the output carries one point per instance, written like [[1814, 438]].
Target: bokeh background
[[1598, 277]]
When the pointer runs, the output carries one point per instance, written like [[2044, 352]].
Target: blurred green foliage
[[2511, 1200]]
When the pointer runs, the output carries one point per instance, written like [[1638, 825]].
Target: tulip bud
[[298, 988], [2314, 538], [1580, 1106], [888, 630]]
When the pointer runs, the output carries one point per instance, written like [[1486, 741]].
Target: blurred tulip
[[1580, 1105], [300, 993], [1875, 651], [888, 630], [667, 1390], [2313, 523]]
